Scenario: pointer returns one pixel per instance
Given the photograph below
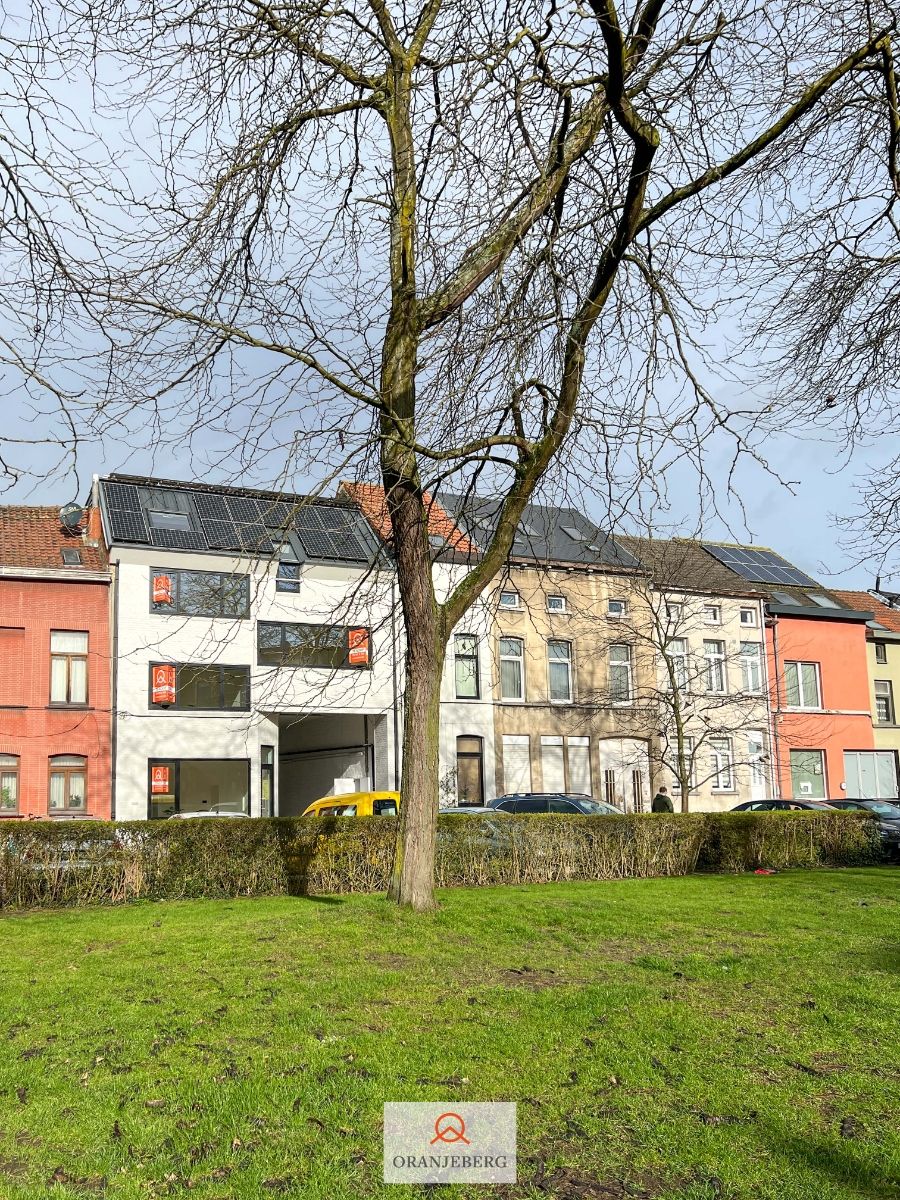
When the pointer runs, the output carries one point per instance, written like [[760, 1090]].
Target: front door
[[756, 765]]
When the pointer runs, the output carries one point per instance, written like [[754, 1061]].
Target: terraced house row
[[180, 646]]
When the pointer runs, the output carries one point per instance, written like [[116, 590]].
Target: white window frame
[[567, 663], [712, 614], [881, 653], [674, 610], [679, 663], [621, 614], [689, 754], [797, 663], [561, 607], [520, 659], [748, 662], [886, 694], [715, 658], [506, 593], [749, 618], [722, 754], [466, 657], [627, 663]]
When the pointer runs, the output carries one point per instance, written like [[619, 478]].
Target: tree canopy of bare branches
[[453, 242]]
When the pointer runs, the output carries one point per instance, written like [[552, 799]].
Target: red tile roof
[[372, 504], [34, 537], [866, 602]]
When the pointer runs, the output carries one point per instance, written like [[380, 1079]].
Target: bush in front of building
[[45, 863], [746, 841]]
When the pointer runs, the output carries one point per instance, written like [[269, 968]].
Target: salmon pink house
[[55, 666]]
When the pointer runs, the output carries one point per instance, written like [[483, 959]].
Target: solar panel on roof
[[255, 537], [759, 566], [178, 539], [243, 509], [124, 496], [221, 535], [127, 526], [211, 507], [331, 533]]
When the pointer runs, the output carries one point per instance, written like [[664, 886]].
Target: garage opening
[[328, 755]]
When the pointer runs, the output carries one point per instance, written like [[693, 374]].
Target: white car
[[207, 812]]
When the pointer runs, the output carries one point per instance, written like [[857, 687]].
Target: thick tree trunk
[[412, 881]]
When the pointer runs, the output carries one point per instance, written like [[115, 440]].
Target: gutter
[[61, 574], [776, 711]]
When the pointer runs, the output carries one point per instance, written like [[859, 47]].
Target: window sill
[[469, 699], [53, 706]]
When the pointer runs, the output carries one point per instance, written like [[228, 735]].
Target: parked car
[[783, 806], [476, 810], [554, 802], [886, 814], [356, 804], [206, 812]]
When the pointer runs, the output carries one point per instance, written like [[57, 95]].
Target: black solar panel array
[[332, 533], [760, 566], [126, 513], [252, 524]]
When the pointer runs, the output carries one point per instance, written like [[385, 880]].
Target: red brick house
[[55, 666]]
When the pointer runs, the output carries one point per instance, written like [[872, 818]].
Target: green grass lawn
[[703, 1037]]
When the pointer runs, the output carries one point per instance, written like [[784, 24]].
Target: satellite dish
[[71, 515]]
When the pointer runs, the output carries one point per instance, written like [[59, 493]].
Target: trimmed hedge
[[91, 862]]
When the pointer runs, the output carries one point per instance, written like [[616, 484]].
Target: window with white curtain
[[559, 665], [68, 783], [68, 667], [9, 783], [512, 669]]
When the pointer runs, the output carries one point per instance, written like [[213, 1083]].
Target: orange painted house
[[818, 694], [55, 667]]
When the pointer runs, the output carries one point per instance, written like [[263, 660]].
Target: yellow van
[[356, 804]]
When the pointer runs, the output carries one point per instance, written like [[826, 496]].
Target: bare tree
[[454, 241]]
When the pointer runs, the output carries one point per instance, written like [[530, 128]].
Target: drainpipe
[[776, 710]]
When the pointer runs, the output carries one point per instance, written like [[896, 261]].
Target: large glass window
[[190, 785], [465, 659], [68, 667], [288, 576], [469, 770], [620, 687], [199, 593], [751, 666], [801, 681], [68, 784], [512, 669], [714, 653], [9, 783], [281, 644], [559, 656], [209, 686]]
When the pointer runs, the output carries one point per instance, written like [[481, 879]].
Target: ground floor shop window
[[469, 771], [198, 785]]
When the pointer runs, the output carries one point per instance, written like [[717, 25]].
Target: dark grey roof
[[546, 533], [196, 517]]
